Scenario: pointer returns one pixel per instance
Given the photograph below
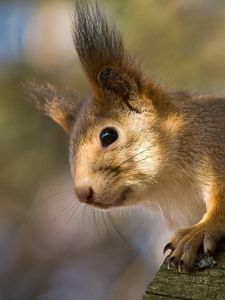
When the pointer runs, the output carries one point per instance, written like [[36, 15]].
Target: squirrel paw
[[186, 243]]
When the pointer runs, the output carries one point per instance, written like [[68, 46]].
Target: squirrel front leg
[[205, 234]]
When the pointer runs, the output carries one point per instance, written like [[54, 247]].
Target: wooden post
[[198, 285]]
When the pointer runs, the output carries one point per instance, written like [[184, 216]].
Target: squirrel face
[[117, 138], [109, 154]]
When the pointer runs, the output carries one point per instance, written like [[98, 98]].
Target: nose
[[85, 194]]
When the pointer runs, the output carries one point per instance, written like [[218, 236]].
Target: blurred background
[[50, 249]]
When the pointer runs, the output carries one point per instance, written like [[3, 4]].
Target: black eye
[[108, 136]]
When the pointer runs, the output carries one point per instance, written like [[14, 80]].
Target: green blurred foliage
[[32, 149]]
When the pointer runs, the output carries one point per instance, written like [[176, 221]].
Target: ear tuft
[[100, 49], [101, 52], [112, 80]]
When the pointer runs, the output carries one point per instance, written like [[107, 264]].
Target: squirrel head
[[118, 137]]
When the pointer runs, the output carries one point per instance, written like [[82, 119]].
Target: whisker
[[34, 204], [106, 222], [60, 229], [113, 158], [95, 218], [83, 212], [129, 245], [117, 230], [128, 168], [128, 159], [74, 209], [64, 211], [131, 157], [44, 200]]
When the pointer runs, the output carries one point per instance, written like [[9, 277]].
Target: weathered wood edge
[[206, 284]]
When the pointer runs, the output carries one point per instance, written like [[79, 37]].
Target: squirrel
[[135, 142]]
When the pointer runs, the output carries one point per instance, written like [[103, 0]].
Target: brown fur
[[170, 153]]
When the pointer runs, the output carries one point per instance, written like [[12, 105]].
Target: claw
[[181, 266], [173, 261], [168, 265], [167, 247]]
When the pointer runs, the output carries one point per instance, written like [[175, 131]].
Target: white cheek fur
[[147, 159]]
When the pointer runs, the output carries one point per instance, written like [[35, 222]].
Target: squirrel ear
[[114, 81], [101, 52], [62, 108]]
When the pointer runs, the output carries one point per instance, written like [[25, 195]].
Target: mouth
[[118, 203]]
